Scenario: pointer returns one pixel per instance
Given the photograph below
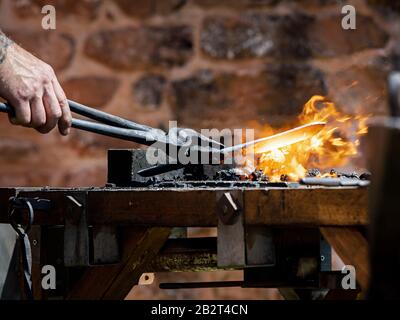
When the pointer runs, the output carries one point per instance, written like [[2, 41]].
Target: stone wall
[[206, 63]]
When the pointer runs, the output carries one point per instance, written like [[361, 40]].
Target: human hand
[[31, 87]]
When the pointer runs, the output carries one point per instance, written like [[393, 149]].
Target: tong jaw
[[189, 142], [190, 137]]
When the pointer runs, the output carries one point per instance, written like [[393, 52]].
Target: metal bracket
[[36, 203], [239, 245], [106, 249], [260, 246], [229, 209], [231, 234], [76, 233]]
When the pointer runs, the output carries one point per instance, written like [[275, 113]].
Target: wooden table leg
[[140, 246], [352, 248]]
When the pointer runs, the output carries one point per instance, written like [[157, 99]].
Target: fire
[[333, 147]]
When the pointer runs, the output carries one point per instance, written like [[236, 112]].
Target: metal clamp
[[20, 203], [23, 204], [76, 233], [229, 209]]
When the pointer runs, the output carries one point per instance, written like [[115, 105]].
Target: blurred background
[[205, 63]]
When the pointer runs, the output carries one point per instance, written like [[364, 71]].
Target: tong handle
[[6, 108], [144, 137], [105, 117], [97, 115]]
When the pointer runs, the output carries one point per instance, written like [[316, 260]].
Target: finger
[[53, 110], [38, 113], [64, 124], [22, 113]]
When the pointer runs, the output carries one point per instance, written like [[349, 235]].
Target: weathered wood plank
[[352, 248], [169, 208], [195, 207], [307, 206], [140, 257], [140, 246]]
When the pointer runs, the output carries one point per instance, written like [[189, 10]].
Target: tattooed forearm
[[4, 44]]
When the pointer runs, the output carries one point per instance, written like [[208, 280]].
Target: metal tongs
[[187, 140], [259, 146], [123, 129]]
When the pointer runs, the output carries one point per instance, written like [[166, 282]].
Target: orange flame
[[334, 146]]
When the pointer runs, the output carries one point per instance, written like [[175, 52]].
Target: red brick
[[388, 4], [328, 39], [255, 36], [140, 48], [294, 35], [146, 8], [81, 8], [56, 49], [14, 148], [149, 90], [234, 3], [309, 3], [93, 91], [90, 173], [275, 95], [243, 4]]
